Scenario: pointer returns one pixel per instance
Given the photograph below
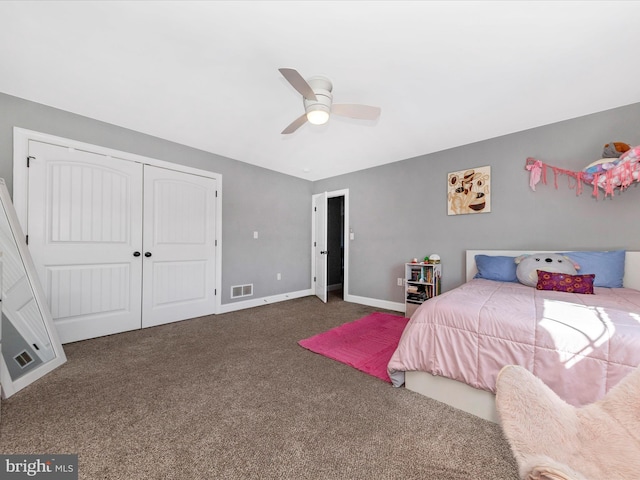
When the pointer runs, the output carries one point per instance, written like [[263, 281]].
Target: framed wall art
[[469, 191]]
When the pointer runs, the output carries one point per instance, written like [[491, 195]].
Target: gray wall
[[399, 211], [277, 206]]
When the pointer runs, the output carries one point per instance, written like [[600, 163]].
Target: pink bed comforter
[[579, 345]]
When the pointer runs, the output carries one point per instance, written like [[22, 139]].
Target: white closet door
[[85, 212], [179, 246]]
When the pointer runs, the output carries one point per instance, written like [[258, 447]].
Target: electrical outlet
[[400, 282], [278, 276]]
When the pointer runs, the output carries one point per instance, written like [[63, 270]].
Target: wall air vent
[[238, 291], [23, 359]]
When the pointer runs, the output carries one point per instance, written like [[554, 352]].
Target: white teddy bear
[[528, 266]]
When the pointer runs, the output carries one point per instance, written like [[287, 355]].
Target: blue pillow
[[496, 267], [608, 267]]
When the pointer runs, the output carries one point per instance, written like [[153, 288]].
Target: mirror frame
[[9, 385]]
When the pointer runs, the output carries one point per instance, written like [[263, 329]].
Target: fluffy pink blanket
[[553, 440]]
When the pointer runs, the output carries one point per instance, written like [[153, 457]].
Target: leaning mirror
[[28, 340]]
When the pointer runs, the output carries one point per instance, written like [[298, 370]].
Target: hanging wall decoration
[[469, 191], [618, 169]]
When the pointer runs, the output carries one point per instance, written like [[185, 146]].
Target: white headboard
[[631, 265]]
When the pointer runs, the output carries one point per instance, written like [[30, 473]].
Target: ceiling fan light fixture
[[318, 115], [318, 102]]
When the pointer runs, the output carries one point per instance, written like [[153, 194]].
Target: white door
[[320, 245], [179, 246], [87, 217], [84, 217]]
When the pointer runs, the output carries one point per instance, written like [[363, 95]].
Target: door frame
[[345, 284], [21, 138]]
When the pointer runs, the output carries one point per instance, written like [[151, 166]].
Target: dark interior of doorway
[[335, 246]]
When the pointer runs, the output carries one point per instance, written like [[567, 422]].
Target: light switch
[[255, 234]]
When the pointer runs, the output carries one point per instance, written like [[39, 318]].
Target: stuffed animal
[[610, 159], [614, 149], [600, 166], [610, 173], [528, 266]]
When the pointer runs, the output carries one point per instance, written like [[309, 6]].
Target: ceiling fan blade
[[300, 84], [296, 124], [352, 110]]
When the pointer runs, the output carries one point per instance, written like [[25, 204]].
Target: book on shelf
[[417, 297]]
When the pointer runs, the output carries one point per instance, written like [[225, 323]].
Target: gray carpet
[[234, 396]]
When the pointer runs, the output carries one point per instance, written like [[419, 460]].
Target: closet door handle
[[136, 254], [147, 254]]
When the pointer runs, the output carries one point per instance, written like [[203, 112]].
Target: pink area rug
[[365, 344]]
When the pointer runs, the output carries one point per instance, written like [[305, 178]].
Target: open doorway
[[335, 247]]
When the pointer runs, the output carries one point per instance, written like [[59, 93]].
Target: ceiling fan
[[318, 102]]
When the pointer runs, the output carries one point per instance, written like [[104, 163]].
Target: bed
[[582, 345]]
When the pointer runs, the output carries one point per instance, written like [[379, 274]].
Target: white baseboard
[[373, 302], [256, 302]]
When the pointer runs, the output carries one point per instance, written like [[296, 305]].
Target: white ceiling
[[205, 74]]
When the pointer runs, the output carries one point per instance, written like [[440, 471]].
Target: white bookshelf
[[422, 281]]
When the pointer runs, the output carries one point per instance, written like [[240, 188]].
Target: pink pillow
[[563, 282]]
